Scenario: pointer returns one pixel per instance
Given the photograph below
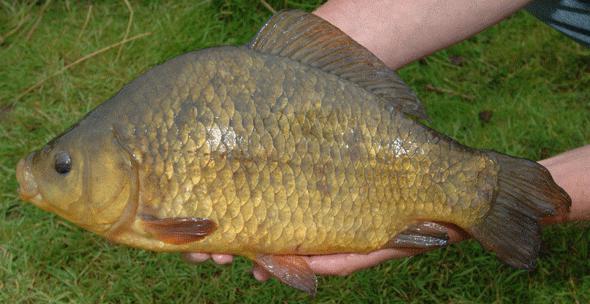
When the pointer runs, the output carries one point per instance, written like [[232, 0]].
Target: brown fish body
[[286, 158], [301, 143]]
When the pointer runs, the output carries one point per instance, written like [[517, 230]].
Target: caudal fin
[[526, 192]]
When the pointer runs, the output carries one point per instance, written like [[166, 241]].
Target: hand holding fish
[[332, 264], [569, 170], [376, 34]]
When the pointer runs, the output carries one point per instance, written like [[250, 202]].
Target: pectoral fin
[[180, 230], [292, 270], [421, 235]]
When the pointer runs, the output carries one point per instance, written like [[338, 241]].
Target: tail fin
[[525, 193]]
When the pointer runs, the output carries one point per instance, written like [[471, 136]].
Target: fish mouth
[[28, 189]]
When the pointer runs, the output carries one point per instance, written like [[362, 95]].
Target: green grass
[[535, 81]]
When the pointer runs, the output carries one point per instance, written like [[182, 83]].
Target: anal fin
[[421, 235], [292, 270]]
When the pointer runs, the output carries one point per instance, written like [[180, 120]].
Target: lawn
[[519, 88]]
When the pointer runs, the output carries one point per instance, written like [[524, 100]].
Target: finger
[[195, 257], [222, 259], [455, 233], [260, 274], [344, 264]]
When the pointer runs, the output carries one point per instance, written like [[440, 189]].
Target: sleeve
[[571, 17]]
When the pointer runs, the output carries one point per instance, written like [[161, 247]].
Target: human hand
[[340, 264], [332, 264]]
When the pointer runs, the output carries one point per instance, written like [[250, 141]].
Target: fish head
[[85, 176]]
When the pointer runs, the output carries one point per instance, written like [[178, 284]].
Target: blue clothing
[[571, 17]]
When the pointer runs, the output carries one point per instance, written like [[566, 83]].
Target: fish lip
[[28, 189]]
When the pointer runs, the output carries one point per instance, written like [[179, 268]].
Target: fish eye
[[63, 162]]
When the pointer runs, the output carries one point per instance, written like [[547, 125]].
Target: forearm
[[399, 31]]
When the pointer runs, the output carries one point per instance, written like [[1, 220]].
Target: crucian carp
[[300, 143]]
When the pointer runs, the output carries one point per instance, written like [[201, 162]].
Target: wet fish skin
[[250, 165]]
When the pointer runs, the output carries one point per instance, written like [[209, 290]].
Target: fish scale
[[377, 158]]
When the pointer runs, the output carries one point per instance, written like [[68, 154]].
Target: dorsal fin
[[313, 41]]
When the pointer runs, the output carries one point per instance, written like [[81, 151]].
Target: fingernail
[[258, 275], [195, 257], [222, 258]]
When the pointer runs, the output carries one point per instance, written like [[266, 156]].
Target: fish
[[301, 142]]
